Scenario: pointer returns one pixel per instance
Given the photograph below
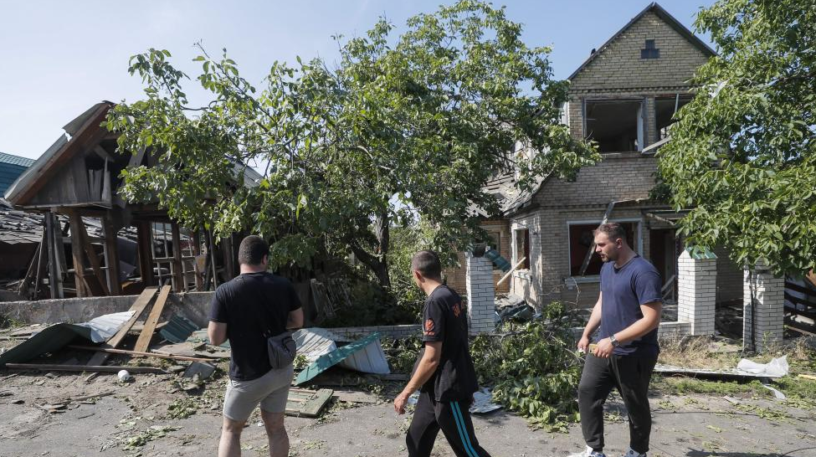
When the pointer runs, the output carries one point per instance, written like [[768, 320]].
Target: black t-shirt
[[445, 319], [250, 305]]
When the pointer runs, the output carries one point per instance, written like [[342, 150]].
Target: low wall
[[193, 306], [391, 331]]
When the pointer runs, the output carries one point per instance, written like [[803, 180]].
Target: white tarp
[[776, 368], [104, 327]]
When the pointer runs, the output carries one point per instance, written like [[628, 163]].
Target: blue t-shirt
[[624, 290]]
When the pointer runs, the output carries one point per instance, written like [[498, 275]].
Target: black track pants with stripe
[[452, 418]]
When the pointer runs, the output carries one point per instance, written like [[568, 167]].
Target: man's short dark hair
[[253, 249], [613, 231], [427, 264]]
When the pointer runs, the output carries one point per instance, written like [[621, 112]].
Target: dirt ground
[[148, 414]]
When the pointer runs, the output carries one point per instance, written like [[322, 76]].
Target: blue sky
[[57, 58]]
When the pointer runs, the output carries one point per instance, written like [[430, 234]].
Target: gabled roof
[[82, 129], [662, 14]]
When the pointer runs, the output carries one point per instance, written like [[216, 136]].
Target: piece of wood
[[76, 253], [152, 319], [82, 368], [138, 308], [509, 273], [54, 275], [141, 354], [807, 376], [145, 251], [307, 403], [178, 276], [188, 349], [111, 254]]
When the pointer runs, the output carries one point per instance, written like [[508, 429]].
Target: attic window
[[616, 125], [651, 52]]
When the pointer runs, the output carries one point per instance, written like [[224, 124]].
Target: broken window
[[665, 109], [616, 125], [650, 51], [581, 240], [523, 248]]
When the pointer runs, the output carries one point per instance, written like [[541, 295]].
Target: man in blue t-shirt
[[628, 314]]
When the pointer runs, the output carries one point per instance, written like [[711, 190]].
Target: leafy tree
[[404, 127], [743, 153]]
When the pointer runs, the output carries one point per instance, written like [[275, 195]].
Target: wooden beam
[[142, 354], [145, 249], [54, 237], [76, 253], [150, 324], [82, 368], [199, 280], [41, 262], [111, 254], [138, 308], [89, 251], [178, 273], [504, 278]]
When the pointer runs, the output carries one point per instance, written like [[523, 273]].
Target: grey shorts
[[270, 391]]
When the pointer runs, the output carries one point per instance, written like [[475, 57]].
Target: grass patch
[[685, 386]]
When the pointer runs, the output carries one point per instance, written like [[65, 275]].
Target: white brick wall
[[768, 309], [481, 294], [697, 296]]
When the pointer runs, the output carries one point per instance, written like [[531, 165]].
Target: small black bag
[[281, 350]]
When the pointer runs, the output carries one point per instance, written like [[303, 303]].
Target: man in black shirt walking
[[444, 372], [242, 311]]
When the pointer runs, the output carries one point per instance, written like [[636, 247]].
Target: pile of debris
[[178, 349]]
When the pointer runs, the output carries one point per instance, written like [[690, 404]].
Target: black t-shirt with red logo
[[444, 319]]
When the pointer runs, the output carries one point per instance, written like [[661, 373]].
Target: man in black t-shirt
[[444, 373], [242, 311]]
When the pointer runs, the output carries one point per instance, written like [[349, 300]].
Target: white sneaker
[[632, 453], [588, 452]]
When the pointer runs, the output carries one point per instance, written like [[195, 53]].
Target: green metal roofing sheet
[[331, 359], [15, 160]]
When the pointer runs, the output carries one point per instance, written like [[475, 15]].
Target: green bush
[[534, 370]]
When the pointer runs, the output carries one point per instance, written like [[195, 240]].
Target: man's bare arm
[[295, 319], [426, 368], [217, 331]]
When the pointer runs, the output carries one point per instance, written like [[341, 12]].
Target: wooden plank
[[138, 307], [141, 354], [111, 254], [307, 403], [76, 253], [83, 368], [178, 277], [145, 249], [199, 280], [504, 278], [54, 237], [152, 320]]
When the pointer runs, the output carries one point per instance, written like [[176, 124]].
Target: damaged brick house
[[623, 97]]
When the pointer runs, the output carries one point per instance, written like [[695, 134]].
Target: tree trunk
[[378, 262]]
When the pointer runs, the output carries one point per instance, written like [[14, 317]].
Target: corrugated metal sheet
[[331, 359], [10, 159], [178, 329]]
